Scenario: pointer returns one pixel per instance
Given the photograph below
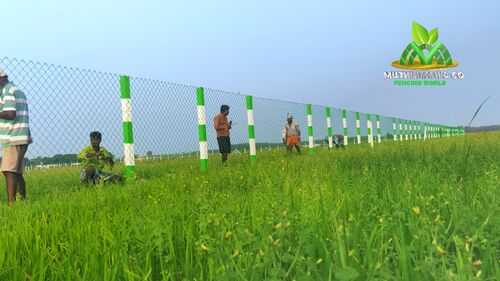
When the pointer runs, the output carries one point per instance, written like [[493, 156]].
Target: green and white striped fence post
[[344, 124], [310, 128], [202, 128], [409, 129], [379, 139], [410, 125], [406, 130], [128, 134], [369, 127], [400, 130], [395, 137], [251, 129], [358, 128], [329, 127], [414, 129]]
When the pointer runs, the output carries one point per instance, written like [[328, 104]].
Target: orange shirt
[[221, 125]]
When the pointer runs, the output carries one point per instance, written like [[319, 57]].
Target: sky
[[322, 52]]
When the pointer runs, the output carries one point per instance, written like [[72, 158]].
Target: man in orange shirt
[[222, 127]]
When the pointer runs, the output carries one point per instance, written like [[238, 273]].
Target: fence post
[[310, 128], [358, 129], [400, 130], [378, 128], [344, 124], [369, 127], [251, 129], [394, 136], [406, 129], [202, 128], [409, 130], [413, 129], [128, 134], [329, 128]]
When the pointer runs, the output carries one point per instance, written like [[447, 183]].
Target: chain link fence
[[66, 104]]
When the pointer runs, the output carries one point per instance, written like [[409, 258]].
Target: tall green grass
[[399, 211]]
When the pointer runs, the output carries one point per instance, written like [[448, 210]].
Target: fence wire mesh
[[66, 104]]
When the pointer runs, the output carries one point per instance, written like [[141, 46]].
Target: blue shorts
[[97, 175]]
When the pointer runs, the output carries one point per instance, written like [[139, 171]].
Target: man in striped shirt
[[15, 136]]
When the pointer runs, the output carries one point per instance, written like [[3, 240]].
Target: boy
[[93, 158]]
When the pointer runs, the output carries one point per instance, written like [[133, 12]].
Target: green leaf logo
[[419, 33], [424, 51], [433, 36]]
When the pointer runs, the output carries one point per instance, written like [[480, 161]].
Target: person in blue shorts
[[94, 157]]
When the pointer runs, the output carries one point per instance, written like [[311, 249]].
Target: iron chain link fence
[[66, 104]]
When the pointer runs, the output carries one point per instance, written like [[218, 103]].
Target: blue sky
[[324, 52]]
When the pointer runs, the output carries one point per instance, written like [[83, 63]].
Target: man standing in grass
[[292, 135], [94, 157], [222, 127], [15, 136]]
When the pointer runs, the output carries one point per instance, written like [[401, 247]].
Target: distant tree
[[149, 153]]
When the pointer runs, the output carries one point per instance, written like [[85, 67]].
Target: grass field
[[400, 211]]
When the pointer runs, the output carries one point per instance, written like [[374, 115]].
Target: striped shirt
[[17, 131]]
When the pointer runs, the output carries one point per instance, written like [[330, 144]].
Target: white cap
[[289, 116], [2, 73]]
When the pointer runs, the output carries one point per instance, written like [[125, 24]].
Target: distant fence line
[[140, 117]]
